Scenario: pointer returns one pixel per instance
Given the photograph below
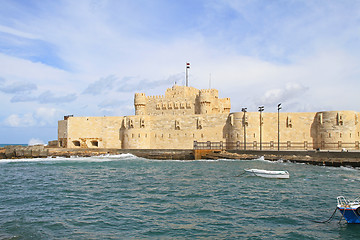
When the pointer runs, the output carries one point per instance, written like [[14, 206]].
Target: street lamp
[[278, 108], [261, 109], [244, 122]]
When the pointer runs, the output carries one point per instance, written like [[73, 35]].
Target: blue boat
[[350, 209]]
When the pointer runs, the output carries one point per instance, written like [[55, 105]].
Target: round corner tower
[[205, 99], [140, 104], [334, 128]]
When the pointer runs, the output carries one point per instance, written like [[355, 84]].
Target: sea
[[126, 197], [4, 145]]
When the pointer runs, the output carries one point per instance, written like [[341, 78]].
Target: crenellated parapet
[[210, 103], [182, 100]]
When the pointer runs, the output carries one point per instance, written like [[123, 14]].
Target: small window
[[94, 143], [76, 143]]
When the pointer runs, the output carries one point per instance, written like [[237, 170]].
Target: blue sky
[[88, 58]]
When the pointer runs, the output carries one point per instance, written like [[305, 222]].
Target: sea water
[[125, 197]]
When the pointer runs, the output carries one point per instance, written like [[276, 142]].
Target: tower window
[[94, 143]]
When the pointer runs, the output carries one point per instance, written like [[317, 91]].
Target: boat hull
[[351, 215], [268, 174]]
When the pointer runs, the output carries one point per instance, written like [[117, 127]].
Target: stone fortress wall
[[185, 114]]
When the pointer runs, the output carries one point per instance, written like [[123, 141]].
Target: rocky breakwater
[[16, 151]]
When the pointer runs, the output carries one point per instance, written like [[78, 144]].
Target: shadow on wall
[[314, 129]]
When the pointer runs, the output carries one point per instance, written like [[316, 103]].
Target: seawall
[[326, 158], [39, 151]]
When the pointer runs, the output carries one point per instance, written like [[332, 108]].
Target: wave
[[101, 158], [349, 168]]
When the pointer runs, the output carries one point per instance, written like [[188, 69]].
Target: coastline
[[324, 158]]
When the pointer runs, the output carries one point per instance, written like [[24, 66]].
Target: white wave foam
[[124, 155], [103, 158], [348, 168]]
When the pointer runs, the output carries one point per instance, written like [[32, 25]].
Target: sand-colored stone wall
[[175, 132], [92, 132], [184, 115], [181, 100]]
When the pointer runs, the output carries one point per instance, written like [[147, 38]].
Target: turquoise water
[[125, 197], [4, 145]]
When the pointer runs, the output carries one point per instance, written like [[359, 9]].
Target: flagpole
[[187, 74]]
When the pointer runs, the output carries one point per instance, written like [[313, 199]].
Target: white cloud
[[101, 85], [275, 96], [298, 52], [18, 87], [47, 116], [35, 141], [15, 120], [41, 117], [18, 33]]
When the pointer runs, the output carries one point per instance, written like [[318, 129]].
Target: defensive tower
[[140, 103]]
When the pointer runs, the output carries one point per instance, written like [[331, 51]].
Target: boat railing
[[356, 201], [341, 200]]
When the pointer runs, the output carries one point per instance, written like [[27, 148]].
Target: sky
[[89, 58]]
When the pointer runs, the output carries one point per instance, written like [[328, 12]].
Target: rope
[[356, 214], [240, 174], [342, 215], [327, 221]]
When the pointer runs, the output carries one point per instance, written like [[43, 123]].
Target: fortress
[[186, 117]]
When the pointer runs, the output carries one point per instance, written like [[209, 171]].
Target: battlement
[[181, 100], [156, 97], [212, 91]]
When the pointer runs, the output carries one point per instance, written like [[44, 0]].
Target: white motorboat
[[268, 173]]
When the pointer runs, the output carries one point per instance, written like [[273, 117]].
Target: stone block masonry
[[185, 115]]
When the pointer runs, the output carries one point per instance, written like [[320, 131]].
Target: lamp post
[[244, 122], [261, 109], [278, 109]]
